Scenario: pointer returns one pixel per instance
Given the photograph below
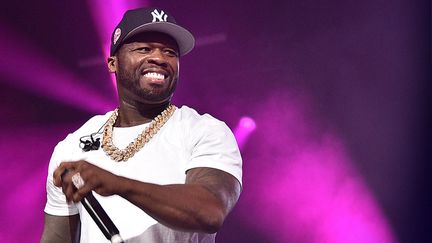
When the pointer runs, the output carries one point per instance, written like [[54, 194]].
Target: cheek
[[130, 62]]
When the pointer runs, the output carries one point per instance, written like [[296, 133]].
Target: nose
[[157, 57]]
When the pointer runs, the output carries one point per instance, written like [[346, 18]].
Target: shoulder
[[199, 128], [192, 118], [195, 126], [211, 144]]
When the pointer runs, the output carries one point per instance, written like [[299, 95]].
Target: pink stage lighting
[[34, 71], [106, 15], [244, 128]]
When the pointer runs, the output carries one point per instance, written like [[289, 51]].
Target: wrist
[[123, 186]]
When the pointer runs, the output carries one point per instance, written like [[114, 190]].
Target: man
[[162, 174]]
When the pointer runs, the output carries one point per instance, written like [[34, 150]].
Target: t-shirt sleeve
[[56, 201], [213, 145]]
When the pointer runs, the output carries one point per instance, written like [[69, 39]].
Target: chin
[[154, 98]]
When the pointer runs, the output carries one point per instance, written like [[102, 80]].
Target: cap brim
[[182, 36]]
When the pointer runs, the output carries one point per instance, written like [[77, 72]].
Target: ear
[[112, 64]]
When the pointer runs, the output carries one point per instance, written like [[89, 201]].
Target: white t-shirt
[[187, 140]]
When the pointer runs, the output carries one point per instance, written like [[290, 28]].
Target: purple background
[[337, 90]]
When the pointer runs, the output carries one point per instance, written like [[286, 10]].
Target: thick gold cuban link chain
[[124, 154]]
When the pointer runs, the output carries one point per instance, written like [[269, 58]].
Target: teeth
[[154, 75]]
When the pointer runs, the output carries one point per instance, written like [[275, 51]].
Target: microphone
[[95, 210], [101, 218]]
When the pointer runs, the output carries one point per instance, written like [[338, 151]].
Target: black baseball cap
[[150, 19]]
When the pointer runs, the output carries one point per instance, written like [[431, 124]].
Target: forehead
[[153, 37]]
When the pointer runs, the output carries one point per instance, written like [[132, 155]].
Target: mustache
[[146, 65]]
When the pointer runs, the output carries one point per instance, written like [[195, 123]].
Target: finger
[[58, 174], [61, 171], [64, 173], [67, 187], [72, 165], [78, 195], [84, 186]]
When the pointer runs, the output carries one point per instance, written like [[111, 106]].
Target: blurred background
[[328, 101]]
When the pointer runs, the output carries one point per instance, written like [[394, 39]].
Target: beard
[[129, 80]]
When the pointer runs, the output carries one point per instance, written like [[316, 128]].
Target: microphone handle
[[101, 218]]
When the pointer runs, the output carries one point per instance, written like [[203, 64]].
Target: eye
[[171, 52], [144, 49]]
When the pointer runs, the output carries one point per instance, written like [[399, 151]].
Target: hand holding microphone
[[92, 206]]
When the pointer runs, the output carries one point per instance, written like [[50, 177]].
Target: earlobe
[[112, 64]]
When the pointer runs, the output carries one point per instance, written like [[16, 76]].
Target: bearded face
[[147, 68]]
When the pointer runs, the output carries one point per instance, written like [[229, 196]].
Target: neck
[[137, 114]]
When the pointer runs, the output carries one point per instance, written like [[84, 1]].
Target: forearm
[[201, 204], [61, 229], [188, 207]]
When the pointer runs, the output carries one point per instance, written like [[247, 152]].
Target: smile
[[154, 75]]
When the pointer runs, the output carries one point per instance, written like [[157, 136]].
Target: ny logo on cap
[[159, 17]]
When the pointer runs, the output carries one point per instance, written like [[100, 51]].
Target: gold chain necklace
[[139, 142]]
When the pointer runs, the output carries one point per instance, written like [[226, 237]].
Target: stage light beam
[[106, 15], [245, 127], [23, 66]]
